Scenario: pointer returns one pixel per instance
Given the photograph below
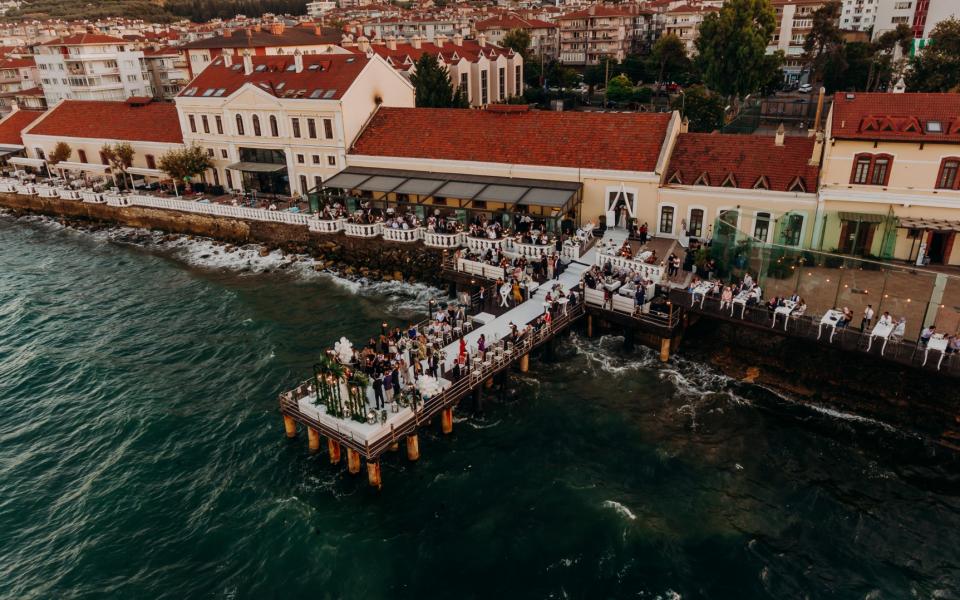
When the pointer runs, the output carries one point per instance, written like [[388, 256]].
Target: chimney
[[227, 33], [816, 120], [257, 28], [277, 27], [249, 32], [227, 60], [247, 63], [363, 43], [440, 39], [685, 125], [457, 39], [298, 61], [318, 30], [781, 132], [416, 40], [482, 40], [391, 42], [817, 149]]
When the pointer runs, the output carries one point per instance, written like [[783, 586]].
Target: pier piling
[[333, 447], [589, 326], [524, 363], [446, 420], [373, 474], [664, 349], [353, 461], [314, 437], [413, 447], [290, 426]]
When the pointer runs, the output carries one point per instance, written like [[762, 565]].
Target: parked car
[[805, 88]]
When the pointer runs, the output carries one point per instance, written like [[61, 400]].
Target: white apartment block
[[794, 21], [91, 66], [859, 15], [891, 13]]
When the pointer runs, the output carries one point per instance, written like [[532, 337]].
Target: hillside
[[158, 11]]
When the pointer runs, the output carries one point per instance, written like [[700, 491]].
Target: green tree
[[183, 163], [732, 46], [824, 42], [669, 55], [560, 75], [432, 85], [120, 156], [61, 152], [705, 110], [849, 69], [517, 40], [619, 89], [937, 67]]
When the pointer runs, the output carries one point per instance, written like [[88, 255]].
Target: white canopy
[[26, 162], [147, 172], [79, 166]]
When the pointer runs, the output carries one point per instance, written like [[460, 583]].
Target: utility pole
[[606, 80]]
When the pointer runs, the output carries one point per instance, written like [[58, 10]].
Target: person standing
[[388, 385], [378, 390], [867, 318]]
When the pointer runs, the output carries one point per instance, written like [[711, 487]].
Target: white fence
[[402, 235], [362, 230], [480, 269], [653, 272], [325, 225], [532, 250], [442, 240], [483, 244]]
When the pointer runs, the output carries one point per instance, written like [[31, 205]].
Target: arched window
[[948, 178], [274, 131], [871, 169], [256, 125], [239, 125]]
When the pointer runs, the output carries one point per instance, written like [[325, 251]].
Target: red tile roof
[[14, 123], [81, 39], [746, 157], [450, 52], [335, 72], [591, 140], [513, 22], [16, 63], [897, 117], [304, 35], [118, 120]]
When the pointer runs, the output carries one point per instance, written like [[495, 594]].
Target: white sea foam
[[622, 510]]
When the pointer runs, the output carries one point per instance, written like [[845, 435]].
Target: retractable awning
[[253, 167], [6, 149], [862, 217], [146, 172], [27, 162], [79, 166], [510, 191], [929, 224]]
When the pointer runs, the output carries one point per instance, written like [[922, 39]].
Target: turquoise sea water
[[142, 456]]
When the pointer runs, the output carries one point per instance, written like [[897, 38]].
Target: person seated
[[885, 319], [801, 308], [953, 344], [927, 334], [900, 329]]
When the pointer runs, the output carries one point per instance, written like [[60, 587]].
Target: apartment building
[[282, 124], [891, 13], [169, 71], [16, 75], [543, 34], [274, 39], [91, 66], [428, 27], [794, 21], [684, 22], [485, 72], [597, 33], [859, 15]]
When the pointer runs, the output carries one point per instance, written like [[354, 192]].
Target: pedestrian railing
[[362, 230], [325, 225], [442, 240], [402, 235], [482, 244], [652, 272]]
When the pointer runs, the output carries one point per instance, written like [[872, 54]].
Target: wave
[[621, 509]]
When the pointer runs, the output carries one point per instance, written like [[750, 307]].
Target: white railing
[[68, 194], [46, 191], [532, 250], [592, 296], [402, 235], [480, 269], [362, 230], [325, 225], [648, 271], [88, 196], [442, 240], [221, 210], [483, 244], [8, 185], [572, 250], [116, 199], [26, 190]]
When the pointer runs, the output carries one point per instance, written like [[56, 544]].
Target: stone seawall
[[374, 258]]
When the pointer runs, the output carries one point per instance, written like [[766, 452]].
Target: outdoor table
[[563, 304], [701, 289], [880, 330], [785, 310], [741, 299], [938, 343], [612, 285], [628, 290], [829, 319]]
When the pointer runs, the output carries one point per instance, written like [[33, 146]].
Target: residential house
[[684, 22], [794, 22], [543, 34], [16, 75], [169, 71], [597, 33]]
